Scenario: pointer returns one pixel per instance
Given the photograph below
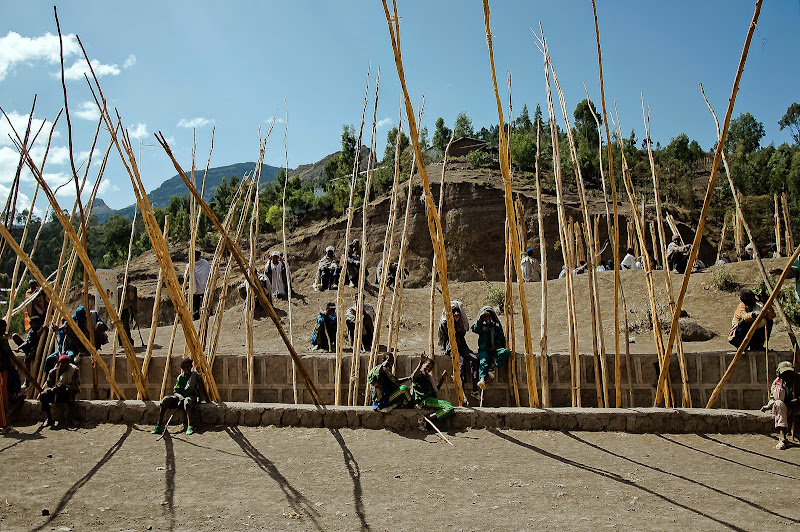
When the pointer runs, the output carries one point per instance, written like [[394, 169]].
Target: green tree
[[116, 233], [744, 134], [391, 143], [523, 151], [523, 121], [441, 135], [791, 119], [423, 138], [463, 126], [537, 114], [584, 121]]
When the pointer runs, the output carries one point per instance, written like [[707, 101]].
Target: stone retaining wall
[[634, 420], [273, 378]]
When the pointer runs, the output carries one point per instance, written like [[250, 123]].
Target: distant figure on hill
[[202, 270], [581, 268], [324, 335], [749, 252], [774, 248], [628, 261], [723, 260], [782, 398], [38, 305], [128, 303], [186, 394], [275, 270], [678, 254], [391, 276], [531, 271], [353, 263], [467, 359], [746, 313], [367, 327], [492, 352], [563, 272], [327, 271]]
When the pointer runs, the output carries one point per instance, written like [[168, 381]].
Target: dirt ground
[[116, 477]]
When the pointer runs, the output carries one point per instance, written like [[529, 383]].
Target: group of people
[[330, 269], [324, 334]]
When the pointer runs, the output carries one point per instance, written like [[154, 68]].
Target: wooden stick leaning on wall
[[740, 212], [286, 261], [362, 266], [88, 269], [533, 392], [60, 305], [122, 299], [434, 223], [250, 304], [562, 227], [787, 222], [399, 279], [250, 275], [388, 244], [721, 238], [613, 228], [340, 318], [675, 327], [753, 327], [508, 311], [543, 357], [154, 318], [778, 232]]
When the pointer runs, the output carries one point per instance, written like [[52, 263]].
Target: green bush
[[722, 279], [496, 296], [478, 159], [790, 305]]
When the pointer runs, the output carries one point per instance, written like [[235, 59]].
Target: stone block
[[335, 418], [326, 368], [133, 411], [650, 371], [354, 418], [277, 372], [484, 419], [236, 370], [260, 368], [155, 370], [122, 373], [290, 416], [734, 399], [265, 395], [563, 374], [560, 397], [271, 415], [710, 365], [372, 419], [211, 414], [311, 417], [217, 370], [691, 367], [115, 411], [250, 414], [240, 395], [697, 397], [753, 399], [643, 397], [232, 413]]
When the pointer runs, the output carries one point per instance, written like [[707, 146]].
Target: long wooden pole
[[431, 315], [154, 318], [434, 222], [778, 232], [721, 237], [122, 297], [543, 357], [286, 261], [675, 327], [787, 222]]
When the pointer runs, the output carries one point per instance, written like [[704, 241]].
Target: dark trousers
[[366, 336], [125, 316], [59, 394], [197, 300], [329, 278], [759, 336], [173, 402]]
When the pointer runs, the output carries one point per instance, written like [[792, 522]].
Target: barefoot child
[[424, 390], [385, 389], [781, 400]]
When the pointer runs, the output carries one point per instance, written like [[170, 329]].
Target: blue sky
[[231, 65]]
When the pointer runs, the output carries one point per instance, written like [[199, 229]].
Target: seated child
[[62, 385], [185, 395], [424, 390], [491, 344], [385, 389]]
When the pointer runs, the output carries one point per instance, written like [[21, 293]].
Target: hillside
[[174, 186]]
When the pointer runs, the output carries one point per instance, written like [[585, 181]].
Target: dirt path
[[117, 477]]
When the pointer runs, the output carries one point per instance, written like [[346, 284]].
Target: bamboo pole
[[359, 328], [397, 293], [286, 261], [778, 243], [753, 327], [154, 319], [721, 240], [513, 387], [388, 243], [787, 222], [738, 232], [250, 306], [60, 305], [675, 328], [533, 392], [14, 286], [339, 299], [613, 228], [757, 256], [434, 222], [544, 364], [123, 297]]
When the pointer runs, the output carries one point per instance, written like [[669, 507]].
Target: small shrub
[[722, 279], [477, 159], [496, 296], [790, 305]]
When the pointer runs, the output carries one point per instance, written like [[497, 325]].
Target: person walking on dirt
[[129, 303], [386, 391], [324, 335], [275, 270], [202, 270], [744, 316], [492, 352], [327, 271], [782, 400], [467, 359], [531, 272], [424, 389], [367, 323], [185, 395], [62, 385]]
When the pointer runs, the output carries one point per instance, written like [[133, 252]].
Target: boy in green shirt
[[185, 395], [424, 390]]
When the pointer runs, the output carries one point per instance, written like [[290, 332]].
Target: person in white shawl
[[327, 271], [368, 323], [467, 359], [275, 270]]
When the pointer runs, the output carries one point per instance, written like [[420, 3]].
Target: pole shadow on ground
[[732, 446], [609, 475], [86, 478], [681, 477], [298, 502], [355, 475], [169, 478]]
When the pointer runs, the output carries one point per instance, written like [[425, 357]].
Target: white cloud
[[129, 62], [81, 67], [198, 122], [20, 122], [23, 201], [384, 122], [106, 186], [9, 159], [88, 111], [140, 131], [16, 49]]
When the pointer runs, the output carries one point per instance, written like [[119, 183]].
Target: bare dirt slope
[[117, 477]]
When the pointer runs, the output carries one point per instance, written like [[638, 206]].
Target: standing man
[[128, 303], [677, 254], [275, 270], [530, 268], [202, 269]]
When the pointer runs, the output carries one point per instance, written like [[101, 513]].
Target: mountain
[[315, 172], [174, 186]]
